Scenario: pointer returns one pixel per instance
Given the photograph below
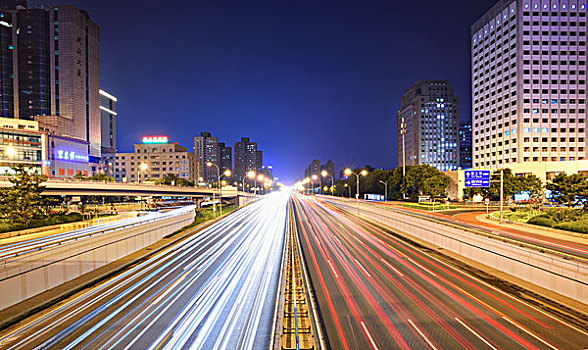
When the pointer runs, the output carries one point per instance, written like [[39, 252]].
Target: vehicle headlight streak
[[209, 291]]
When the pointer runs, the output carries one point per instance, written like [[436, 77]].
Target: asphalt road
[[375, 291], [215, 290]]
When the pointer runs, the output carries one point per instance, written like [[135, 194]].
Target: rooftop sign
[[155, 139]]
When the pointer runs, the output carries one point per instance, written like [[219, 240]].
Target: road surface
[[377, 292], [216, 289]]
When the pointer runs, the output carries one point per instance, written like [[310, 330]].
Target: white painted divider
[[566, 277], [25, 276]]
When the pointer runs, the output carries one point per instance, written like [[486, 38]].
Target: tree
[[22, 202], [172, 179], [79, 175], [101, 177], [570, 190]]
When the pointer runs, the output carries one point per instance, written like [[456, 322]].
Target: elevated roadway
[[86, 188]]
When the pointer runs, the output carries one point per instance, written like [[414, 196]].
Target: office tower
[[529, 83], [430, 113], [153, 159], [206, 149], [50, 72], [247, 157], [108, 130], [465, 145], [226, 157]]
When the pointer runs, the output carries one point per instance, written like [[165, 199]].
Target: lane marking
[[364, 270], [329, 261], [337, 239], [421, 334], [476, 334], [392, 267], [529, 333], [369, 336], [421, 266]]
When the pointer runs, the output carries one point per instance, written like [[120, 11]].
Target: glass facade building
[[430, 113]]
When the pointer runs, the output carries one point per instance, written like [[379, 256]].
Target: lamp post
[[259, 178], [314, 178], [141, 169], [307, 180], [364, 173], [250, 175], [324, 173], [209, 164], [385, 189], [349, 187]]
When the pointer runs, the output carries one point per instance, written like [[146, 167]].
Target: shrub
[[542, 220], [575, 226]]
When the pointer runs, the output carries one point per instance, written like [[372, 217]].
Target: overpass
[[95, 188]]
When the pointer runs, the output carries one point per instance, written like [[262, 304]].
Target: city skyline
[[324, 69]]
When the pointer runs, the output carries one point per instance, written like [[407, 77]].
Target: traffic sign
[[477, 178]]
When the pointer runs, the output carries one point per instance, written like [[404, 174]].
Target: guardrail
[[566, 277], [40, 265]]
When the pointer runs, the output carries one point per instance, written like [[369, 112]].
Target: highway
[[375, 291], [216, 289]]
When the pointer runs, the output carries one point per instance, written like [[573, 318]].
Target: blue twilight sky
[[305, 79]]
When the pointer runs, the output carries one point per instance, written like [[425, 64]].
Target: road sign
[[477, 178]]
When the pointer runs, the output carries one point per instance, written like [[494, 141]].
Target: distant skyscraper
[[50, 70], [206, 149], [431, 116], [108, 130], [529, 83], [246, 157], [465, 145], [226, 157]]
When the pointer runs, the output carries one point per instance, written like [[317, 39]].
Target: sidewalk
[[575, 237]]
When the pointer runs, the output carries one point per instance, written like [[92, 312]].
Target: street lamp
[[385, 189], [141, 169], [324, 173], [314, 178], [349, 187], [364, 173], [250, 175], [348, 172], [10, 152], [220, 188], [259, 178]]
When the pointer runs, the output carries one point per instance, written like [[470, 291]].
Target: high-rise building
[[246, 157], [465, 145], [529, 83], [206, 149], [50, 71], [314, 168], [226, 157], [108, 131], [153, 159], [430, 113]]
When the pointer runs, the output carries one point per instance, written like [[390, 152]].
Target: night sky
[[305, 79]]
